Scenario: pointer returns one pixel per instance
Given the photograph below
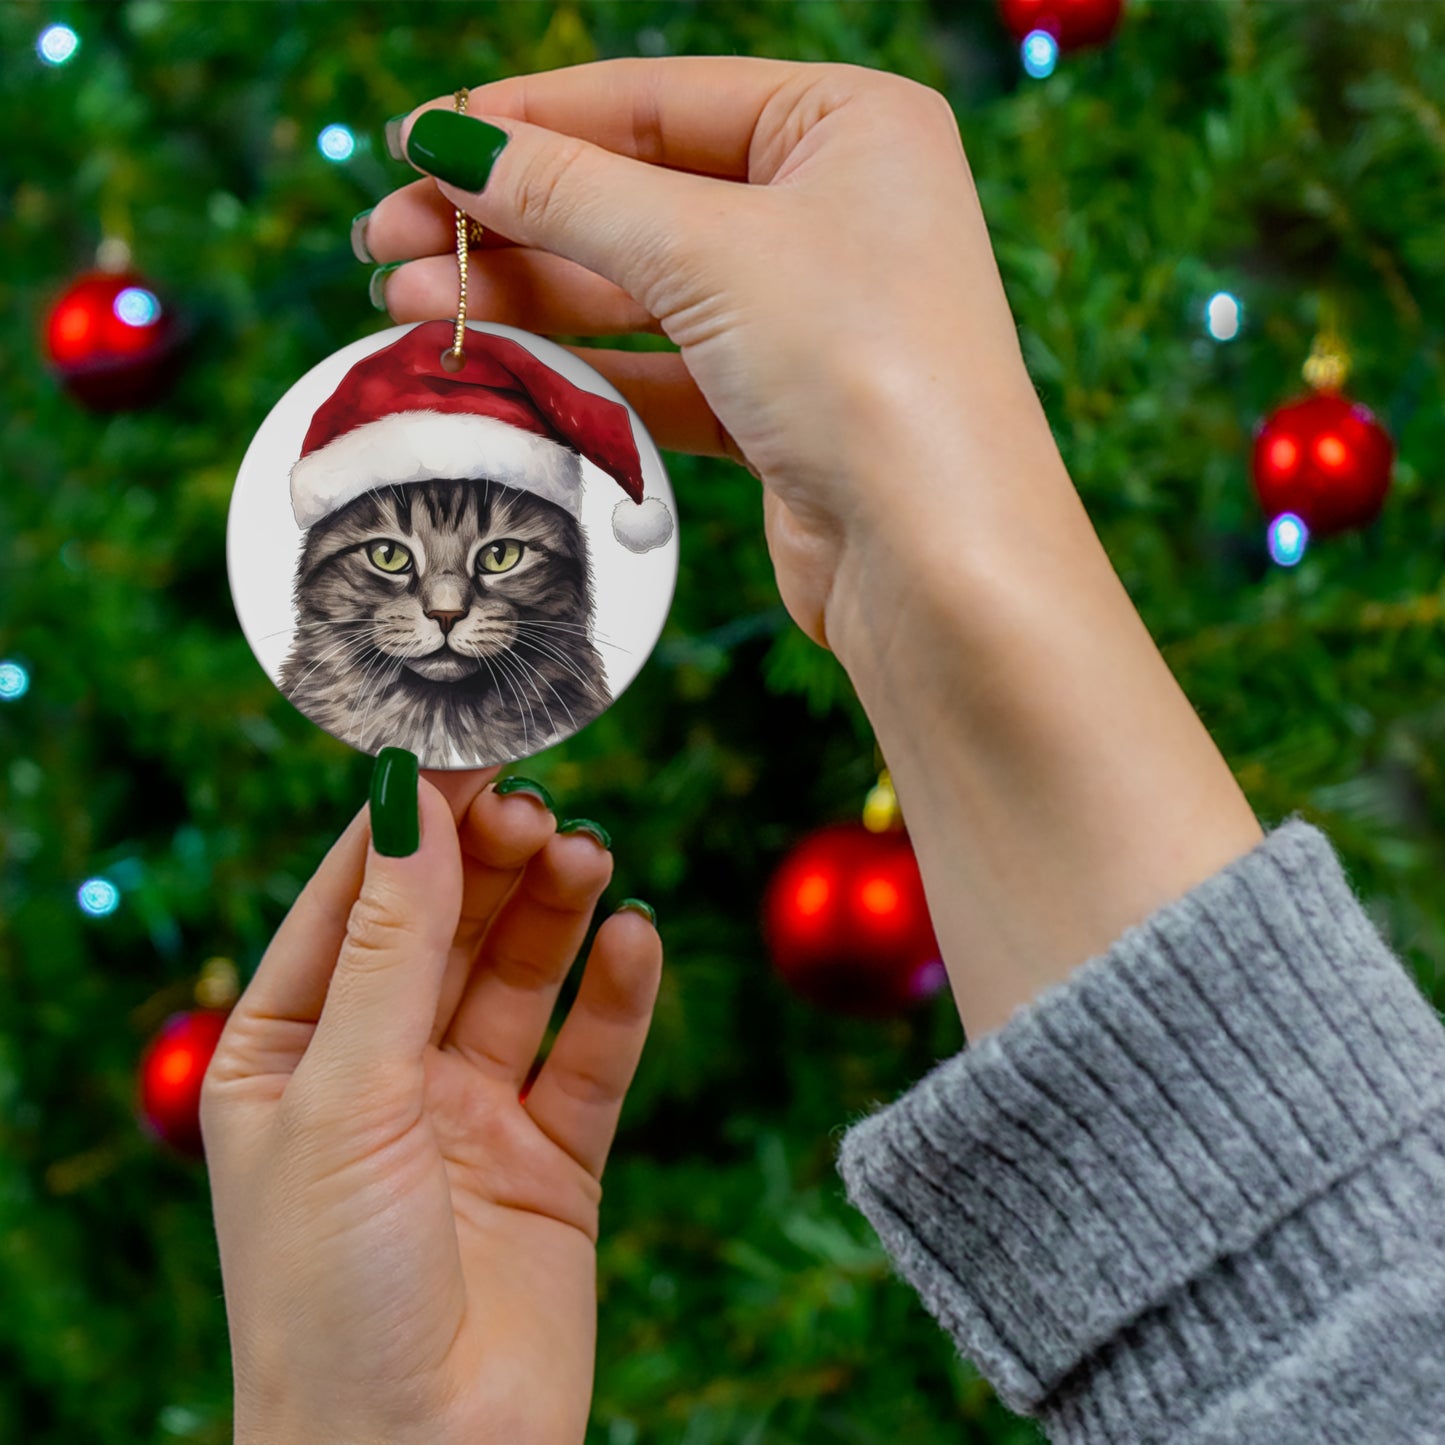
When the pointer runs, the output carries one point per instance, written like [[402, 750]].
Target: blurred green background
[[1283, 152]]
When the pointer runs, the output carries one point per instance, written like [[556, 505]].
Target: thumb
[[382, 1000], [634, 224]]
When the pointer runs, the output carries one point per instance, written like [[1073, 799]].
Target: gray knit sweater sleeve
[[1195, 1193]]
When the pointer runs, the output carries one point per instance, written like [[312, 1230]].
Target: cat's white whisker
[[568, 627], [324, 622], [500, 659], [556, 655], [536, 672], [345, 643], [496, 684], [384, 679]]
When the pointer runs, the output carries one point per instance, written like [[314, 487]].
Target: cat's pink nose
[[444, 620]]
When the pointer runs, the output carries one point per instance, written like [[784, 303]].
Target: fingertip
[[506, 829]]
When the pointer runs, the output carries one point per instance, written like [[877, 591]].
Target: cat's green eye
[[500, 556], [389, 557]]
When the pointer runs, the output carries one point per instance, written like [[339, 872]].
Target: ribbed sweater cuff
[[1136, 1170]]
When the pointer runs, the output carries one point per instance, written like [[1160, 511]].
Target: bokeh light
[[1223, 316], [98, 897], [137, 307], [1288, 538], [14, 681], [1040, 53], [57, 44], [336, 143]]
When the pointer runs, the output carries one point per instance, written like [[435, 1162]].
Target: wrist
[[1057, 784]]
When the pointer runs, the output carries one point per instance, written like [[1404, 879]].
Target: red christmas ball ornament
[[171, 1072], [1072, 23], [112, 341], [847, 923], [1324, 458]]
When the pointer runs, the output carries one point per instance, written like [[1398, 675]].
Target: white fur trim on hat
[[426, 446]]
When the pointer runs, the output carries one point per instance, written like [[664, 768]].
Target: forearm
[[1057, 784]]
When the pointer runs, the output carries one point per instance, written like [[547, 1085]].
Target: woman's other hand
[[407, 1245]]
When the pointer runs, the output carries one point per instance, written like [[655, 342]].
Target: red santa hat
[[399, 416]]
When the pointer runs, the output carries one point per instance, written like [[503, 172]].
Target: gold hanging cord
[[469, 233]]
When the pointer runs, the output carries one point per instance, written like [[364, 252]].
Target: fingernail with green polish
[[586, 825], [359, 248], [395, 821], [376, 287], [455, 148], [527, 786], [392, 132], [636, 905]]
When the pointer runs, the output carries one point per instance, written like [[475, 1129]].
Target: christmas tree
[[1179, 214]]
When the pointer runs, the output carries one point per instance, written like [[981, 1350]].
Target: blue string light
[[1223, 316], [57, 44], [336, 143], [137, 307], [14, 681], [98, 897], [1040, 52], [1288, 538]]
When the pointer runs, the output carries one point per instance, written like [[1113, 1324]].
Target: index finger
[[695, 113]]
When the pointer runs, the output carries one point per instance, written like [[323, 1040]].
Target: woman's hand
[[810, 237], [841, 303], [408, 1246]]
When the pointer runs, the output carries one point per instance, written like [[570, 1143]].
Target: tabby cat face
[[445, 574], [453, 618]]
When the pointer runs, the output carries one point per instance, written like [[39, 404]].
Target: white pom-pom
[[641, 526]]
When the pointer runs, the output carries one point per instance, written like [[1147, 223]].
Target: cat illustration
[[452, 618]]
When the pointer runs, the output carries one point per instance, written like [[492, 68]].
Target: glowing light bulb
[[57, 44], [98, 897], [878, 897], [1288, 537], [137, 307], [1040, 52], [336, 143], [14, 681], [1223, 316], [1283, 454], [812, 895], [177, 1067]]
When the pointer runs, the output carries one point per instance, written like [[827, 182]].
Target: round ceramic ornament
[[456, 541]]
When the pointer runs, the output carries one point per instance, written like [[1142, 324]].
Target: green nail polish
[[586, 825], [526, 785], [392, 132], [359, 247], [376, 287], [455, 148], [636, 905], [395, 821]]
